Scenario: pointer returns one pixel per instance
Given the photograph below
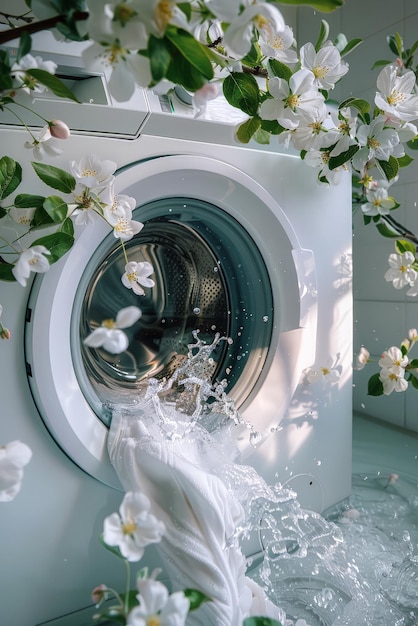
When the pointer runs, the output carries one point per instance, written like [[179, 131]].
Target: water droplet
[[255, 438], [196, 310], [230, 341], [318, 462], [213, 327], [215, 269], [406, 536], [265, 318]]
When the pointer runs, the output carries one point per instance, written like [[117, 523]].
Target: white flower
[[413, 334], [392, 381], [226, 10], [59, 129], [44, 143], [25, 80], [299, 95], [395, 96], [157, 607], [344, 133], [376, 141], [210, 91], [276, 45], [13, 458], [136, 274], [156, 15], [401, 272], [266, 18], [362, 358], [93, 172], [378, 202], [326, 64], [324, 372], [320, 159], [30, 260], [119, 215], [109, 335], [394, 361], [311, 133], [133, 528], [117, 23]]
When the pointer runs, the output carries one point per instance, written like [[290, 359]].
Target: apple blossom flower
[[119, 215], [395, 96], [394, 361], [109, 335], [156, 15], [201, 97], [311, 133], [376, 141], [324, 372], [320, 160], [326, 64], [344, 133], [156, 606], [43, 144], [136, 274], [266, 18], [392, 381], [276, 45], [226, 11], [401, 270], [13, 458], [299, 95], [362, 358], [100, 594], [133, 528], [378, 201], [27, 82], [92, 172], [31, 260], [413, 334], [59, 129], [4, 332]]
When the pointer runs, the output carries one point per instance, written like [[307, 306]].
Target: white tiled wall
[[382, 315]]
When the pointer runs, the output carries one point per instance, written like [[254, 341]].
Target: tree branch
[[35, 27]]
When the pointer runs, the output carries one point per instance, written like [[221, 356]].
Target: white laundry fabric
[[200, 514]]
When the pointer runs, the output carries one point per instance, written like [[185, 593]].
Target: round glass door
[[209, 276]]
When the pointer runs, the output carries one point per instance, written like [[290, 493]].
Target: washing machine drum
[[225, 261]]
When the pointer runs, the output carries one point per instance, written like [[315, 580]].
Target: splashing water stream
[[355, 567]]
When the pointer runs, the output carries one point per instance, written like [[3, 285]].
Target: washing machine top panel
[[225, 260]]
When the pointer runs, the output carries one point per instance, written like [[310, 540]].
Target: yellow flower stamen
[[132, 276], [261, 22], [320, 71], [34, 261], [123, 13], [110, 323], [154, 620], [277, 43], [402, 269], [325, 371], [163, 14], [292, 101], [121, 225], [396, 97], [129, 527], [373, 143], [393, 376]]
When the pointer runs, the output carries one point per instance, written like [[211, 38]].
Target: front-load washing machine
[[239, 238]]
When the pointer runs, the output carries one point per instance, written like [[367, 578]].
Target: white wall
[[382, 315]]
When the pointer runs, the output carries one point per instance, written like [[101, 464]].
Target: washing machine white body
[[51, 553]]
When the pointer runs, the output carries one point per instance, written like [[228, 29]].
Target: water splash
[[305, 563]]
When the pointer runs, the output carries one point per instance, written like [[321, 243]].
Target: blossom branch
[[41, 25]]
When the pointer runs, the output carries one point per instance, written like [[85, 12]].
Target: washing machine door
[[226, 260]]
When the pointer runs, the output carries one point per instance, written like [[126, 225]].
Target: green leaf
[[261, 621], [413, 363], [55, 177], [186, 8], [389, 168], [367, 219], [351, 45], [279, 69], [6, 272], [395, 44], [414, 380], [190, 50], [10, 176], [323, 35], [386, 231], [342, 158], [196, 598], [28, 201], [253, 57], [246, 130], [53, 83], [41, 219], [132, 599], [6, 81], [272, 126], [159, 56], [241, 91], [325, 6], [380, 63], [358, 103], [405, 160], [67, 227], [262, 137], [25, 45], [375, 386], [56, 208], [111, 614], [58, 244], [403, 245], [413, 143]]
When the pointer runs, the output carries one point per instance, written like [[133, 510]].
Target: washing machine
[[244, 242]]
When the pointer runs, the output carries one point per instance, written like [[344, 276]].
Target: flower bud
[[4, 332], [99, 594], [59, 129]]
